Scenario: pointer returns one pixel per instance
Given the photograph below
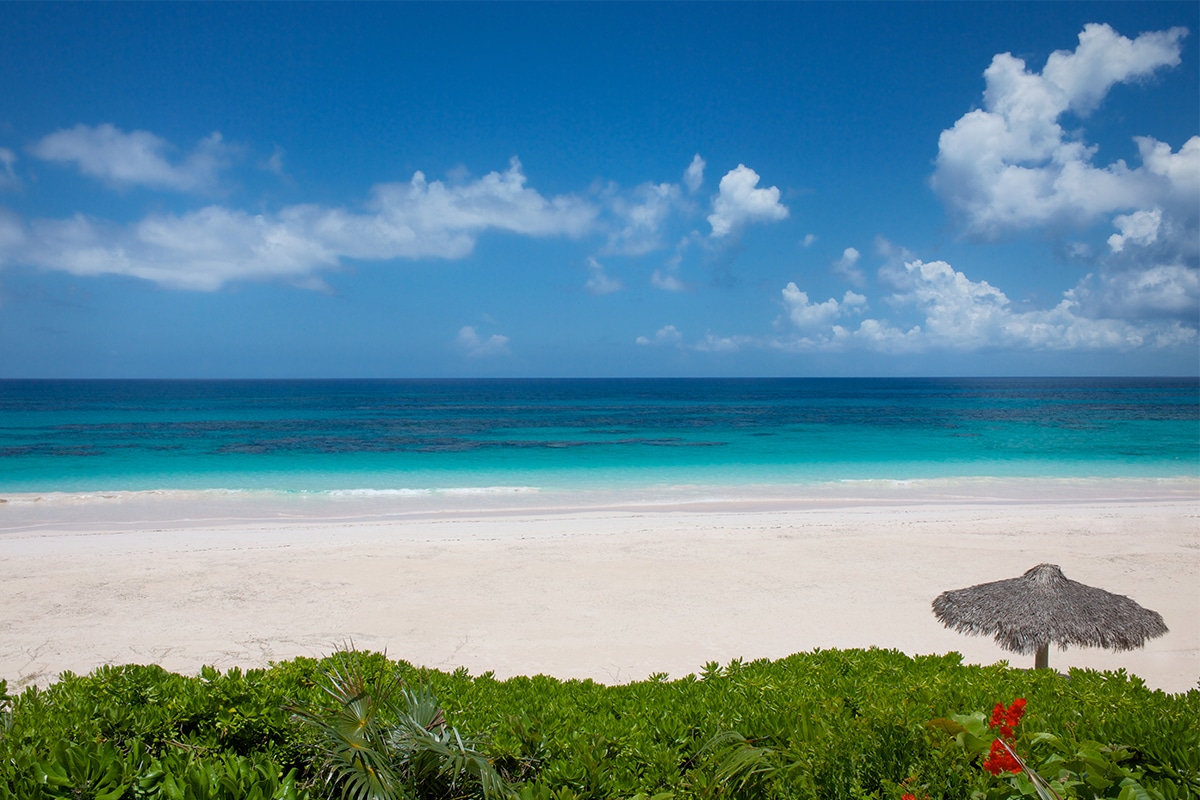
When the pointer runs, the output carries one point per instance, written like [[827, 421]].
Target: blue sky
[[444, 190]]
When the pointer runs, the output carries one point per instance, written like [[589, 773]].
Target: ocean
[[412, 440]]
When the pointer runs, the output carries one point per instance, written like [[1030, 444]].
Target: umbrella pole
[[1042, 659]]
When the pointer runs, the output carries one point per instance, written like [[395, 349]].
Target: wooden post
[[1042, 659]]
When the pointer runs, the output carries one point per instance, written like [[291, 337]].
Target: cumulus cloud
[[959, 314], [1163, 291], [137, 158], [209, 247], [808, 240], [666, 335], [475, 346], [739, 202], [1139, 228], [1104, 58], [693, 176], [807, 315], [498, 200], [598, 281], [1011, 165]]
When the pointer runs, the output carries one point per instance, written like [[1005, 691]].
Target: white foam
[[489, 490], [377, 492]]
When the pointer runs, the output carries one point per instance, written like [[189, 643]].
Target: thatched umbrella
[[1026, 614]]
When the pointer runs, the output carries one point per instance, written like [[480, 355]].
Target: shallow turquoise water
[[82, 436]]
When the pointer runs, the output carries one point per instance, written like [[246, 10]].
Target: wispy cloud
[[693, 176], [8, 176], [666, 335], [137, 158], [274, 162], [475, 346], [642, 218], [847, 267], [598, 281], [209, 247]]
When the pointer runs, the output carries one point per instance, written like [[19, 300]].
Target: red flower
[[1016, 711], [907, 796], [1001, 760], [1007, 719], [997, 716]]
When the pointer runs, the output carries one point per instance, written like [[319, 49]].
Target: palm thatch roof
[[1026, 614]]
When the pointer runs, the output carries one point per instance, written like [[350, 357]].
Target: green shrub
[[825, 724]]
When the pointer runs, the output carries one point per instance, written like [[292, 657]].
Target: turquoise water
[[561, 435]]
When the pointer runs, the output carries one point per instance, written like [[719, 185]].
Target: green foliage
[[385, 742], [1063, 766], [825, 724]]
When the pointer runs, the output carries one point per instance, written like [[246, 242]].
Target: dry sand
[[613, 594]]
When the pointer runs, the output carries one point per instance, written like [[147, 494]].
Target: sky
[[599, 190]]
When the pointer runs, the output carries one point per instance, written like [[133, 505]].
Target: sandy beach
[[613, 593]]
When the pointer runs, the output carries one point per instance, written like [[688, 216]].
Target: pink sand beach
[[613, 592]]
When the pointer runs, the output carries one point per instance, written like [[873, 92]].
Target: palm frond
[[386, 742]]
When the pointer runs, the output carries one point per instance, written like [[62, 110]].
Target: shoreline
[[193, 507], [613, 594]]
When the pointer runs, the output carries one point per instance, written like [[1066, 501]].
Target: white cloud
[[138, 158], [693, 176], [1011, 165], [667, 280], [470, 342], [201, 250], [642, 218], [642, 215], [1161, 291], [274, 164], [958, 314], [712, 343], [12, 235], [1140, 228], [808, 240], [1104, 58], [847, 267], [738, 202], [598, 281], [1180, 171], [498, 200], [807, 315], [666, 335], [209, 247], [8, 176]]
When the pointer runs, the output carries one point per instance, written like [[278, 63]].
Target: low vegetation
[[826, 724]]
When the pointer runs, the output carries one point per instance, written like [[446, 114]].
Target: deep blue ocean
[[556, 435]]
